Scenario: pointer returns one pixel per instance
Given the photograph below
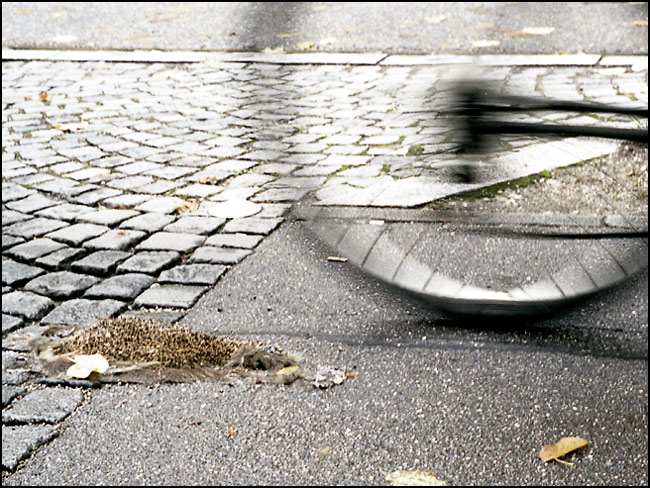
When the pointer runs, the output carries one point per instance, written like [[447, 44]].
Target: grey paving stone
[[191, 224], [116, 239], [218, 255], [60, 258], [10, 323], [33, 227], [49, 405], [121, 287], [252, 225], [35, 248], [127, 201], [14, 274], [61, 284], [9, 393], [100, 262], [32, 203], [171, 241], [93, 197], [78, 233], [181, 296], [11, 216], [11, 192], [81, 311], [107, 217], [193, 274], [25, 304], [165, 205], [66, 211], [242, 241], [150, 222], [8, 241], [18, 442], [150, 262]]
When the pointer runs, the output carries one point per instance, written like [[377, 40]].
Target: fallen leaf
[[538, 31], [640, 23], [418, 477], [85, 364], [485, 43], [562, 447], [324, 451], [337, 259], [44, 97], [231, 431], [287, 370], [187, 207], [435, 19], [303, 46], [276, 50], [72, 127]]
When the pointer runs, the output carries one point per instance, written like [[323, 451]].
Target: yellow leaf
[[562, 447], [324, 451], [231, 431], [277, 50], [85, 364], [435, 19], [640, 23], [417, 477], [44, 97], [538, 31], [303, 46], [287, 370], [72, 127], [187, 207]]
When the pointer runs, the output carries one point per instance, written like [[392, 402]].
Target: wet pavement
[[133, 183]]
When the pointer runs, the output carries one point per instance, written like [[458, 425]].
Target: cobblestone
[[153, 192]]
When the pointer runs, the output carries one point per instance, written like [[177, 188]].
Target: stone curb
[[377, 58]]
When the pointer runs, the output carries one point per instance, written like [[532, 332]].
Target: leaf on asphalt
[[231, 431], [187, 207], [85, 364], [72, 127], [435, 19], [287, 370], [563, 446], [538, 31], [276, 50], [44, 97], [640, 23], [337, 259], [304, 46], [485, 43], [418, 477], [324, 451]]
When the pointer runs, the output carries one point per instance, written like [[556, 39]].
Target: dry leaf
[[231, 431], [337, 259], [417, 477], [562, 447], [277, 50], [187, 207], [72, 127], [538, 31], [435, 19], [287, 370], [85, 364], [485, 43], [324, 451], [44, 97], [303, 46], [640, 23]]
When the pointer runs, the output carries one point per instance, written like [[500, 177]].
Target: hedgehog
[[144, 350]]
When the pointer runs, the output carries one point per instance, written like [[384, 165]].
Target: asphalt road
[[413, 27], [471, 400]]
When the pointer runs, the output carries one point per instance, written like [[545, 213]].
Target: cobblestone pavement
[[132, 183]]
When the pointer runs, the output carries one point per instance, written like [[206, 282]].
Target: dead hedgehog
[[143, 350]]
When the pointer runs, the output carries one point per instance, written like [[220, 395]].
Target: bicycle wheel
[[546, 223]]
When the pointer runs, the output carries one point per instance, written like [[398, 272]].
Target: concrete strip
[[494, 59]]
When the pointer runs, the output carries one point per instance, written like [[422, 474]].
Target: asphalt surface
[[473, 400], [406, 27]]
